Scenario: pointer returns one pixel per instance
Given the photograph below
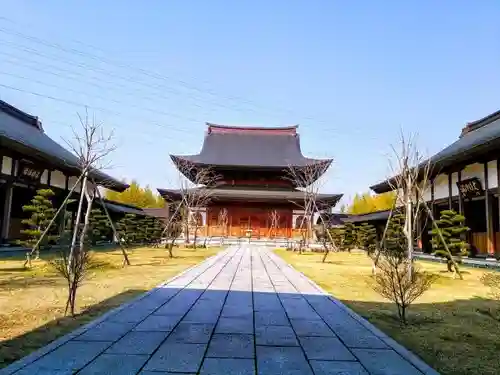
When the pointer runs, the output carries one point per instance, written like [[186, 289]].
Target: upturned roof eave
[[178, 159]]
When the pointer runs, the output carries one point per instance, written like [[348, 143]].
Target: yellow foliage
[[366, 203], [137, 196]]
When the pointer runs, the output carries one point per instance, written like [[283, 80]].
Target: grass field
[[32, 301], [450, 327]]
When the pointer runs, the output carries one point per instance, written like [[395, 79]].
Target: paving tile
[[269, 318], [106, 331], [384, 362], [177, 357], [72, 355], [131, 314], [191, 333], [237, 312], [110, 364], [275, 335], [325, 348], [304, 327], [234, 325], [202, 316], [138, 343], [158, 323], [34, 370], [233, 366], [337, 368], [354, 335], [231, 345], [282, 361]]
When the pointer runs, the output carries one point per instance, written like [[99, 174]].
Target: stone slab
[[231, 345], [218, 366], [110, 364], [177, 357]]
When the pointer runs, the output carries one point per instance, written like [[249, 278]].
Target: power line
[[144, 72]]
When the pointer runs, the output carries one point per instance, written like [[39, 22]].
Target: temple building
[[465, 177], [253, 190], [30, 160]]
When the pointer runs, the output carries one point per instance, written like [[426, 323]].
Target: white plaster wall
[[44, 177], [426, 193], [474, 170], [492, 174], [6, 165], [58, 179], [441, 186], [454, 187], [72, 180]]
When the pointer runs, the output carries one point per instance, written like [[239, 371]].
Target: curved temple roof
[[233, 146], [324, 200], [24, 133], [478, 139]]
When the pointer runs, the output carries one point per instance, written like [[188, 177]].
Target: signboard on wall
[[28, 171], [470, 188]]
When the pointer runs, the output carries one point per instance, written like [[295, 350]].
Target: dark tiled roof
[[23, 133], [131, 209], [482, 138], [372, 216], [250, 147], [256, 195]]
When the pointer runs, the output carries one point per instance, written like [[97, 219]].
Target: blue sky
[[351, 74]]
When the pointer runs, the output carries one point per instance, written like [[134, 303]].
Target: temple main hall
[[254, 192]]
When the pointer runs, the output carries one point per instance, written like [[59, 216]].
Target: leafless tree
[[223, 221], [401, 282], [274, 223], [91, 148], [196, 189], [411, 173], [306, 178]]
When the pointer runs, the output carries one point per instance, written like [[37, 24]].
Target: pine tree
[[395, 238], [453, 230], [127, 228], [99, 226], [337, 234], [349, 240], [42, 212], [368, 238]]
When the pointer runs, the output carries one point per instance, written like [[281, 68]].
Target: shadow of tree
[[457, 337], [18, 347]]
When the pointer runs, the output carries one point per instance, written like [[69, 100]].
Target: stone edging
[[401, 350], [37, 354]]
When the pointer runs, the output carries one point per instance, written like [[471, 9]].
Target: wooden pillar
[[432, 197], [490, 243], [450, 194], [497, 246], [460, 199], [7, 208]]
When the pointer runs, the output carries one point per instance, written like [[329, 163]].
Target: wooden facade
[[465, 177], [252, 196]]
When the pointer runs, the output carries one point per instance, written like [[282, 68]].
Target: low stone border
[[398, 348], [37, 354]]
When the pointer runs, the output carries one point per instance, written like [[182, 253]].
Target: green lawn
[[32, 301], [450, 327]]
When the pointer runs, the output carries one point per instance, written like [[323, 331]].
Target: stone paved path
[[242, 312]]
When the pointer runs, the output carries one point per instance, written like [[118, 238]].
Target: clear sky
[[351, 74]]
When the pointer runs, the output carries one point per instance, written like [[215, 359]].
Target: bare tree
[[401, 282], [196, 189], [411, 173], [274, 223], [306, 179], [223, 222], [91, 148]]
